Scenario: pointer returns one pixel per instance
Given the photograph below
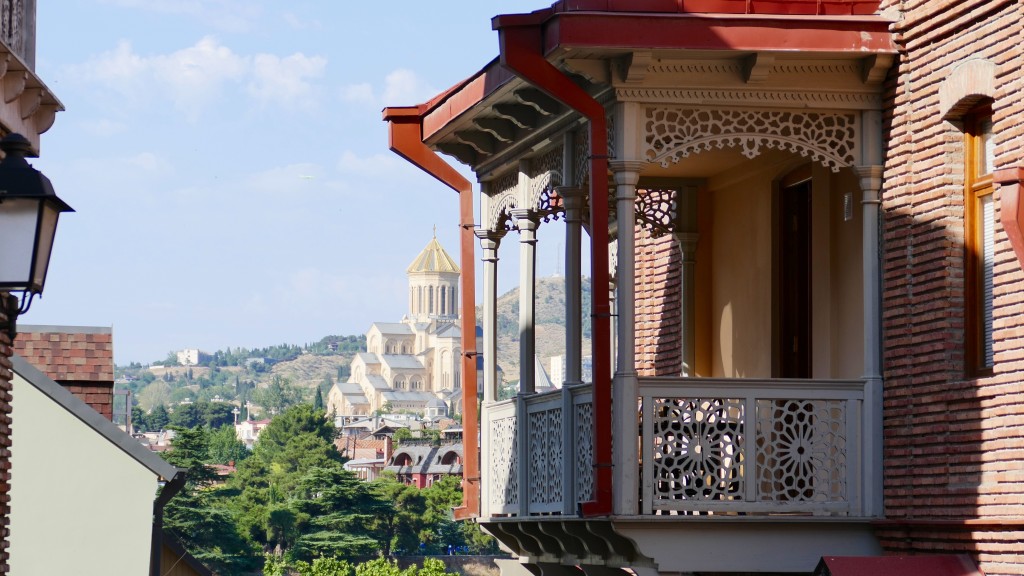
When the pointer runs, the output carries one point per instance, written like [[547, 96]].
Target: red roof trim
[[721, 32], [448, 106], [792, 7], [924, 565], [833, 26]]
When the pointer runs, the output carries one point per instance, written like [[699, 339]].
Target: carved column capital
[[489, 239], [870, 182], [526, 219]]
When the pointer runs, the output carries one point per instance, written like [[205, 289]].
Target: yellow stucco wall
[[739, 285], [79, 505]]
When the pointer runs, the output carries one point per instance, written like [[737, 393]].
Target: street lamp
[[29, 209]]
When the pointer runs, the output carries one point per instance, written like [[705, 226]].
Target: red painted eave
[[727, 32], [450, 104], [935, 565], [838, 26]]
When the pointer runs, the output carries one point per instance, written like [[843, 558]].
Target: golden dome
[[433, 259]]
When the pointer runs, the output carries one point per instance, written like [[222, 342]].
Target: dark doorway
[[795, 281]]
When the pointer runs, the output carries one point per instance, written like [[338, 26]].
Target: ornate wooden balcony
[[712, 448]]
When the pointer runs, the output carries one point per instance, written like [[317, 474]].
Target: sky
[[229, 167]]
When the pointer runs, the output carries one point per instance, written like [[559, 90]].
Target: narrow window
[[979, 239]]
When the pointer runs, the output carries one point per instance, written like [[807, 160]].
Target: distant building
[[421, 465], [249, 430], [411, 364], [192, 357]]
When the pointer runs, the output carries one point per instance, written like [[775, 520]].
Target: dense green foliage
[[293, 505], [276, 566]]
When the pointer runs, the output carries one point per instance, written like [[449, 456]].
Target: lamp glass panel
[[47, 231], [17, 239]]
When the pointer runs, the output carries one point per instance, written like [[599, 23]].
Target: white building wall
[[79, 505]]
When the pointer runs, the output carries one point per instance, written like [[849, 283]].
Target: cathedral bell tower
[[433, 285]]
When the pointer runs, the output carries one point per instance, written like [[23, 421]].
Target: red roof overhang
[[933, 565], [578, 25]]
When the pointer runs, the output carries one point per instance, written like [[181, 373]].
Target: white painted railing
[[556, 445], [747, 447], [751, 446]]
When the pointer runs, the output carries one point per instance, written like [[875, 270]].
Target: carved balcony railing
[[557, 448], [707, 447], [17, 28]]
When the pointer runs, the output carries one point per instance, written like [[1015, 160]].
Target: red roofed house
[[81, 359], [808, 218]]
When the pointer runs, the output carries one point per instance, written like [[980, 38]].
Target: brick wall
[[6, 375], [79, 358], [658, 312], [954, 446]]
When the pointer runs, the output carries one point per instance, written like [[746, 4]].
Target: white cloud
[[402, 87], [195, 78], [196, 75], [284, 81]]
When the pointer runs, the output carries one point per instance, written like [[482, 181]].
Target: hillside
[[550, 331], [308, 370]]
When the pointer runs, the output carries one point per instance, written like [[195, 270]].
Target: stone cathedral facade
[[411, 365]]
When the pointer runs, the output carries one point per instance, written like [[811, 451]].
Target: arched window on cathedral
[[455, 299], [444, 301], [399, 383], [430, 301], [374, 346], [416, 383]]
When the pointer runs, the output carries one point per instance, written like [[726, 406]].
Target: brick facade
[[6, 375], [79, 358], [953, 444], [658, 312]]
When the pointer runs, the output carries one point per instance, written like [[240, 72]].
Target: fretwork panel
[[546, 457], [504, 473], [698, 449], [801, 451], [673, 133], [584, 433]]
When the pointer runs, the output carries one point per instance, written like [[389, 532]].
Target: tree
[[300, 419], [195, 516], [399, 524], [153, 395], [401, 435], [217, 414], [158, 419], [318, 400], [340, 510], [139, 421], [225, 447], [187, 416], [278, 395]]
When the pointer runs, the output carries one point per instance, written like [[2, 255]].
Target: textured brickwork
[[5, 444], [658, 313], [80, 359], [954, 445]]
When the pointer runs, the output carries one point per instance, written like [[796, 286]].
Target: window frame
[[978, 187]]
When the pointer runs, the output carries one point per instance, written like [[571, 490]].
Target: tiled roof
[[406, 361], [68, 353], [393, 328]]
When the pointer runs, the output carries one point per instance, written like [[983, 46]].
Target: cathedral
[[411, 365]]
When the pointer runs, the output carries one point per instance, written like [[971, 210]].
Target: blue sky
[[229, 166]]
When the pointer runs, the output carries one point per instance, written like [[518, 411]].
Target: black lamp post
[[29, 209]]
